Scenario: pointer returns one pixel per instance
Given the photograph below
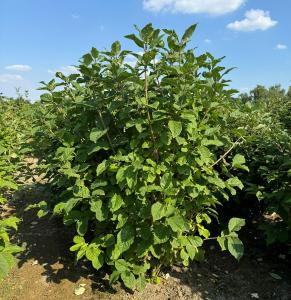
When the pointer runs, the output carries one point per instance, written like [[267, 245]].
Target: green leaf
[[79, 239], [80, 190], [92, 252], [130, 176], [87, 59], [166, 137], [193, 242], [235, 182], [178, 223], [141, 283], [140, 269], [222, 241], [114, 277], [175, 128], [185, 257], [115, 202], [203, 231], [235, 247], [70, 204], [275, 276], [188, 33], [10, 222], [134, 38], [81, 253], [128, 279], [161, 234], [160, 210], [235, 224], [143, 247], [121, 265], [97, 133], [8, 184], [120, 174], [94, 52], [205, 154], [6, 263], [75, 247], [125, 238], [166, 181], [206, 142], [101, 167], [98, 261], [238, 162], [82, 226], [116, 47], [216, 181], [100, 210]]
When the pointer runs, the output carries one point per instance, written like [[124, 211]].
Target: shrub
[[135, 154], [10, 140], [263, 122]]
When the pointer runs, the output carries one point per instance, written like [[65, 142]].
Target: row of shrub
[[14, 122], [265, 119]]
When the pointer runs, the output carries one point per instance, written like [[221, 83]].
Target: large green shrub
[[136, 155]]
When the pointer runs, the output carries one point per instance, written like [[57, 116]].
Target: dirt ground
[[46, 268]]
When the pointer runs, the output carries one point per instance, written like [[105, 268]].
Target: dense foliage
[[135, 154], [13, 123], [141, 148], [264, 118]]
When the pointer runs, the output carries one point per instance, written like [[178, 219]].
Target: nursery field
[[46, 270], [150, 179]]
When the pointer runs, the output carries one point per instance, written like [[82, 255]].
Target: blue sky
[[38, 38]]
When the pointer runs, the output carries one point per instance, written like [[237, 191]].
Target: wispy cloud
[[74, 16], [66, 70], [19, 68], [207, 41], [255, 19], [244, 89], [281, 47], [213, 7], [5, 78]]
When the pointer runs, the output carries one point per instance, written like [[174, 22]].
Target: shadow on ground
[[46, 267], [47, 240]]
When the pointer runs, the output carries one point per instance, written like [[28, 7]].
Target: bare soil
[[46, 268]]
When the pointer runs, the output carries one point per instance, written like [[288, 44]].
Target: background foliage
[[264, 117], [13, 126]]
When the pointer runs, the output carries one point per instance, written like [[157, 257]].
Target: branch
[[226, 153], [148, 112]]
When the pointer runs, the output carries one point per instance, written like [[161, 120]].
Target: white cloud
[[208, 41], [66, 70], [75, 16], [19, 68], [4, 78], [132, 60], [244, 89], [255, 19], [213, 7], [281, 47]]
